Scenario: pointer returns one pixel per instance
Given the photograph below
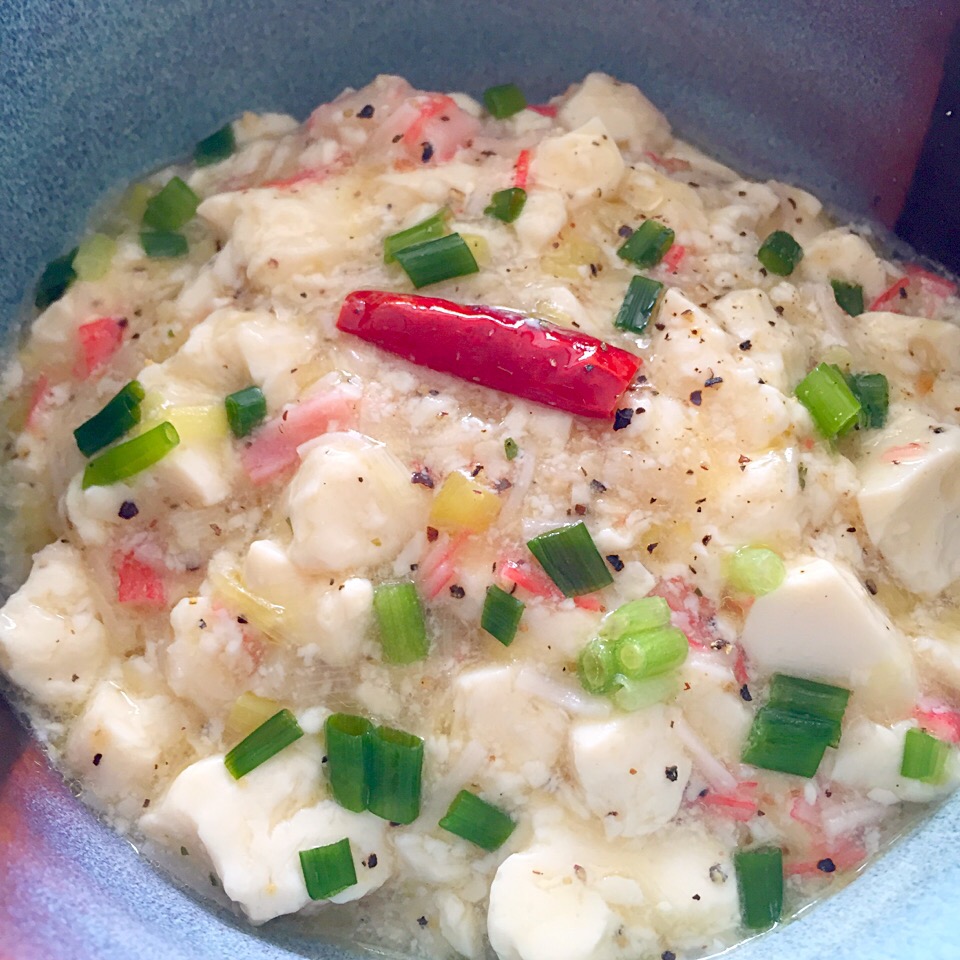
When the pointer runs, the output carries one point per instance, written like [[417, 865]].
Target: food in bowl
[[491, 529]]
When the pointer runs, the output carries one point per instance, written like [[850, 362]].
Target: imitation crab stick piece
[[521, 171], [496, 348], [138, 582], [741, 804], [98, 340]]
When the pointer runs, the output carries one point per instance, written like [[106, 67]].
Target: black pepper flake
[[696, 896], [457, 592], [432, 534], [622, 419], [184, 852], [706, 539], [712, 381], [745, 345], [745, 694], [372, 861], [502, 484], [128, 510], [75, 678], [579, 509], [97, 757], [778, 311], [871, 587], [202, 624], [365, 113], [422, 921], [668, 955], [423, 478], [397, 138], [146, 803], [625, 232], [671, 774], [427, 154], [696, 398], [597, 487], [476, 470], [826, 865], [615, 562], [652, 546]]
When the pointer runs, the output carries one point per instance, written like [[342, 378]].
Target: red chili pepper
[[522, 170], [495, 347], [544, 109]]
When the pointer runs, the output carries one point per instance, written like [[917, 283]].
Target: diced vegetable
[[246, 410], [93, 257], [139, 583], [780, 253], [248, 712], [133, 203], [172, 207], [434, 227], [649, 653], [830, 401], [755, 570], [643, 296], [647, 244], [56, 278], [118, 415], [496, 348], [648, 613], [849, 296], [477, 821], [507, 205], [266, 741], [396, 765], [98, 341], [403, 633], [348, 759], [760, 886], [328, 870], [462, 503], [160, 244], [504, 101], [924, 757], [788, 742], [132, 457], [510, 448], [200, 424], [571, 559], [873, 393], [597, 666], [501, 614], [435, 260], [218, 146], [267, 617]]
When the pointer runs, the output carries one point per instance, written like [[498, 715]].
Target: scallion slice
[[94, 256], [348, 759], [218, 146], [648, 613], [172, 207], [780, 253], [755, 570], [647, 244], [507, 205], [120, 414], [267, 740], [831, 403], [849, 296], [571, 559], [132, 457], [630, 695], [396, 767], [473, 819], [788, 742], [924, 757], [649, 653], [873, 392], [163, 244], [760, 886], [328, 870], [504, 101], [808, 696], [434, 227], [246, 410], [597, 666], [56, 278], [501, 615], [510, 448], [638, 305], [436, 260], [403, 632]]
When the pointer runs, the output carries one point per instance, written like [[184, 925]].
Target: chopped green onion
[[328, 870], [501, 615], [788, 742], [56, 277], [396, 766], [571, 559], [246, 410], [648, 613], [436, 260], [93, 257], [120, 414], [132, 457], [507, 205], [760, 886], [479, 822], [638, 305], [267, 740], [647, 244], [504, 101], [640, 656], [755, 570], [218, 146], [434, 227], [172, 207], [348, 759], [133, 203], [403, 633], [780, 253], [510, 448], [924, 757], [831, 403], [160, 244], [873, 392], [849, 296], [630, 695], [597, 666], [808, 696]]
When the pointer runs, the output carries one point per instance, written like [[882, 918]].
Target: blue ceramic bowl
[[833, 94]]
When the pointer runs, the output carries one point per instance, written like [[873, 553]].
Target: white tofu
[[551, 632], [196, 474], [633, 764], [822, 624], [910, 499], [52, 639], [252, 829], [460, 925], [351, 505], [544, 215], [540, 909], [94, 512], [841, 255], [582, 164]]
